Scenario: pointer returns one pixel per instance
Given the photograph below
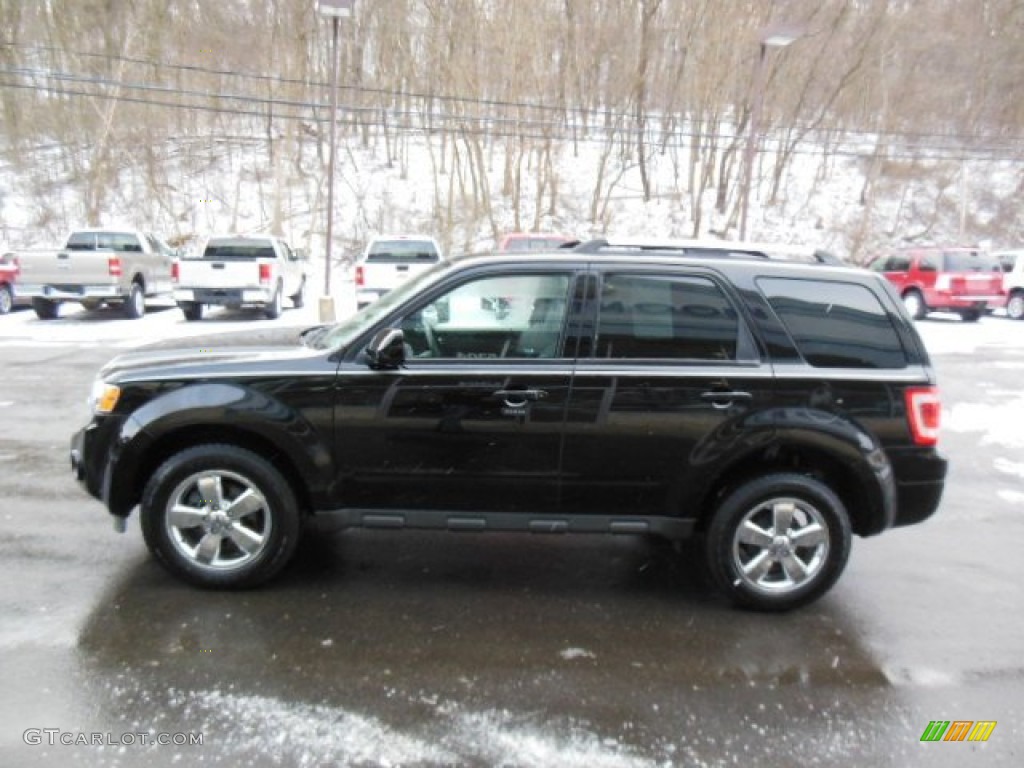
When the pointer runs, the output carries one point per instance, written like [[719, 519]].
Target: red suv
[[966, 281]]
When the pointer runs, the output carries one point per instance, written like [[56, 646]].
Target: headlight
[[103, 397]]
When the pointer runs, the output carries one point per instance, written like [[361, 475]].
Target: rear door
[[473, 421], [671, 367]]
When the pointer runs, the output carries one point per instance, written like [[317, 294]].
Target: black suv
[[767, 409]]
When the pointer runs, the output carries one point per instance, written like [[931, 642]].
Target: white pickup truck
[[389, 260], [241, 271], [96, 267]]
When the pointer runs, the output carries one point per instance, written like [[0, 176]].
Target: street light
[[334, 10], [771, 37]]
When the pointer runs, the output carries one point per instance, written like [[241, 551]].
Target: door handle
[[518, 397], [725, 398]]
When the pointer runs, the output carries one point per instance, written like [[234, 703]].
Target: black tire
[[269, 521], [1015, 306], [46, 309], [914, 302], [192, 310], [970, 315], [6, 299], [91, 305], [793, 519], [135, 302], [299, 299], [273, 308]]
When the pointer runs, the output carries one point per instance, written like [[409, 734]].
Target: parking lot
[[442, 649]]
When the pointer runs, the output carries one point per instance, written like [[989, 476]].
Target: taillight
[[265, 275], [175, 272], [924, 410], [114, 266], [360, 277]]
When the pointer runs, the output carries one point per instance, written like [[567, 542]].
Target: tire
[[970, 315], [135, 302], [299, 299], [6, 299], [193, 310], [793, 525], [220, 517], [273, 308], [92, 305], [1015, 306], [46, 309], [914, 302]]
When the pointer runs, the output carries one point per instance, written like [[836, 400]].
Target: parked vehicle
[[389, 260], [241, 271], [96, 267], [966, 281], [532, 241], [8, 276], [768, 410], [1012, 264]]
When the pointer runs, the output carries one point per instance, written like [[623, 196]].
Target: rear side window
[[969, 261], [403, 251], [835, 324], [665, 317], [241, 249]]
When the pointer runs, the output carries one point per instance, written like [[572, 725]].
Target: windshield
[[343, 333]]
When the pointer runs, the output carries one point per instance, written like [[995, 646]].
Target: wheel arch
[[867, 493]]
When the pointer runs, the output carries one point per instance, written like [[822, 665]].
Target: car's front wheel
[[1015, 306], [778, 542], [220, 516]]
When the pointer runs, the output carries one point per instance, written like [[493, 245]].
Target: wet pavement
[[433, 649]]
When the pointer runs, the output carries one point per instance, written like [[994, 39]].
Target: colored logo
[[958, 730]]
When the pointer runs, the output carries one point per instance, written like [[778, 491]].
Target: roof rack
[[710, 249]]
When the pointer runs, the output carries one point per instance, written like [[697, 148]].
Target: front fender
[[215, 412]]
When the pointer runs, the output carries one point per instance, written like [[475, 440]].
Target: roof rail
[[711, 249]]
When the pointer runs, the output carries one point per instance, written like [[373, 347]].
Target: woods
[[136, 105]]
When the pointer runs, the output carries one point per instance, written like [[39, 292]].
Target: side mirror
[[387, 349]]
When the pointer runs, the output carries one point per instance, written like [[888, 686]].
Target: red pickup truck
[[966, 281]]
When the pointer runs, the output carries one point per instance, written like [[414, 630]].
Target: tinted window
[[243, 249], [107, 241], [969, 261], [679, 318], [834, 324], [513, 316], [399, 251]]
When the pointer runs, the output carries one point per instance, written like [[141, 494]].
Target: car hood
[[200, 361]]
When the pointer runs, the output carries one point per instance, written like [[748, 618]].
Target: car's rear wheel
[[6, 299], [1015, 306], [914, 302], [778, 542], [220, 516], [273, 308], [192, 310], [46, 309], [135, 303]]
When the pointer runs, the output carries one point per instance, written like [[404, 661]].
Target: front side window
[[497, 316], [665, 317], [835, 324]]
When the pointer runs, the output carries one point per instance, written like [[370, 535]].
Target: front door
[[473, 421]]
